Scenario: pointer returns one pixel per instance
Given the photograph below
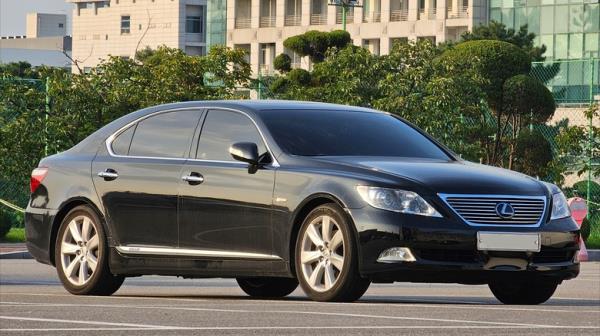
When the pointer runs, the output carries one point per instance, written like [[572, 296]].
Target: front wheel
[[523, 292], [327, 257], [81, 255], [267, 287]]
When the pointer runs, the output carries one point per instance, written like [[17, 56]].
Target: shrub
[[533, 153], [339, 39], [299, 76], [528, 98], [282, 63], [279, 85], [585, 229], [6, 222], [495, 61]]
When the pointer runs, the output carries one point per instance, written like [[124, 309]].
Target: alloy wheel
[[322, 253], [79, 250]]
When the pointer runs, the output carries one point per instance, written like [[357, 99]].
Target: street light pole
[[345, 4]]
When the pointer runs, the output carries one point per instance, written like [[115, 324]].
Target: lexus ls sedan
[[281, 193]]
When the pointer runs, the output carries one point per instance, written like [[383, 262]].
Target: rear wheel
[[523, 292], [81, 255], [267, 287], [327, 257]]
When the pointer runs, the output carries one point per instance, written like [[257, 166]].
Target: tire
[[267, 287], [81, 244], [523, 292], [326, 257]]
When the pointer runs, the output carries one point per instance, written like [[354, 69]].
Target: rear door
[[138, 174]]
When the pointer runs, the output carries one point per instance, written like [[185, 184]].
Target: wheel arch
[[306, 206], [64, 209]]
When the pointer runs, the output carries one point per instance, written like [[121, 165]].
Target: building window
[[125, 24], [193, 24], [61, 25]]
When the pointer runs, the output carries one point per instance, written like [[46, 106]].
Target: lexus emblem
[[505, 210]]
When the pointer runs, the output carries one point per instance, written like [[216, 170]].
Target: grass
[[15, 235], [593, 241]]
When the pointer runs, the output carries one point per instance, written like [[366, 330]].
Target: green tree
[[501, 70], [282, 63], [498, 31], [82, 103], [315, 44]]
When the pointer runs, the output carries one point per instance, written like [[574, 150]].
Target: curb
[[593, 255], [16, 255]]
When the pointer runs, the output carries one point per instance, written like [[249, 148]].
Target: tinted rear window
[[165, 135], [342, 133]]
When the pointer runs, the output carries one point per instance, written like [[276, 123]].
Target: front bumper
[[445, 250]]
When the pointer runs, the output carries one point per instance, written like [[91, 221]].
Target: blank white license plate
[[501, 241]]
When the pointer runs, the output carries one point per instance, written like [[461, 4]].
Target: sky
[[13, 12]]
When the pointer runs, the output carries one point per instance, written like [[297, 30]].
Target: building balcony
[[318, 19], [399, 15], [349, 17], [372, 17], [462, 12], [292, 20], [429, 14], [267, 21], [243, 22]]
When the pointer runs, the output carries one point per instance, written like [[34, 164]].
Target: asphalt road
[[32, 302]]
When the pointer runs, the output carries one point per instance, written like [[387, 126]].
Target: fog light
[[396, 254]]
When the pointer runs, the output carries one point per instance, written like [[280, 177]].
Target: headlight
[[560, 207], [397, 200]]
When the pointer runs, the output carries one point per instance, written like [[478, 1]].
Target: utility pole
[[345, 5]]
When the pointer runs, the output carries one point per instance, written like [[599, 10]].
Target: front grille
[[481, 210]]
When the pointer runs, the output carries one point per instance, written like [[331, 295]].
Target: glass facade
[[216, 23], [570, 29]]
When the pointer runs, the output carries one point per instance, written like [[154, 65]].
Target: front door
[[226, 210], [137, 178]]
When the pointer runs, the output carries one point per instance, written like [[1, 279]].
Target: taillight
[[37, 176]]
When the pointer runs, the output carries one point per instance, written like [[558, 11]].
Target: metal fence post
[[590, 138], [46, 117]]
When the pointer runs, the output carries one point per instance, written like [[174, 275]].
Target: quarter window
[[120, 145], [165, 135], [222, 129]]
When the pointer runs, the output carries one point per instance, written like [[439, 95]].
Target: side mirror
[[245, 152]]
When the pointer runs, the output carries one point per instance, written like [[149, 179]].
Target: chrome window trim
[[182, 252], [111, 138], [444, 198]]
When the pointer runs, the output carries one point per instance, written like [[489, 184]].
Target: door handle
[[193, 178], [108, 175]]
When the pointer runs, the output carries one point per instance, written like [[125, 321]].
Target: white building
[[261, 26], [121, 27], [45, 42], [44, 25]]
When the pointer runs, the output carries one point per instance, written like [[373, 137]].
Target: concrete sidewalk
[[14, 251]]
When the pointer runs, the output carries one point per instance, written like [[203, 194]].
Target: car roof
[[263, 105]]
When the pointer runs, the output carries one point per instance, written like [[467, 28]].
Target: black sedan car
[[277, 194]]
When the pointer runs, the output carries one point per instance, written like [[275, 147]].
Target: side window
[[223, 128], [165, 135], [120, 144]]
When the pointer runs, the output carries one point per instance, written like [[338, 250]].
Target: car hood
[[450, 177]]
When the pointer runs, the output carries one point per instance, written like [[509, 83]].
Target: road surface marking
[[293, 312], [297, 328], [145, 326]]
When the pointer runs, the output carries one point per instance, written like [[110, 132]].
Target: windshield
[[343, 133]]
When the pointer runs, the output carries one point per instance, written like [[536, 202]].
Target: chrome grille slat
[[481, 209]]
